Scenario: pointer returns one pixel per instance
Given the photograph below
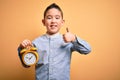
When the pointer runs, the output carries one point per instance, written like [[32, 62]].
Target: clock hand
[[30, 57]]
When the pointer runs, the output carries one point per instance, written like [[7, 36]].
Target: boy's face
[[53, 21]]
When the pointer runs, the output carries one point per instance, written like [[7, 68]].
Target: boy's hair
[[53, 5]]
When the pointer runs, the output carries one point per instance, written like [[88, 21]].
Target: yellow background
[[96, 21]]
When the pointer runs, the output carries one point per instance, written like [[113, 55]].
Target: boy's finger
[[26, 43], [67, 29]]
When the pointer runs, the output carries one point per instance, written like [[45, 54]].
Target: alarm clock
[[29, 56]]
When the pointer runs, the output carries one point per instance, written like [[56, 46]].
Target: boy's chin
[[52, 33]]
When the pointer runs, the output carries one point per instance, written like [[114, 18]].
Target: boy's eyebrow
[[52, 15], [48, 15]]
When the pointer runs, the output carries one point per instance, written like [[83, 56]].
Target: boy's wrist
[[73, 38]]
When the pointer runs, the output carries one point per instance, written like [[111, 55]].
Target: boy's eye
[[57, 17], [49, 17]]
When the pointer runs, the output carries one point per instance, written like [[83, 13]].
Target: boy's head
[[53, 5], [53, 19]]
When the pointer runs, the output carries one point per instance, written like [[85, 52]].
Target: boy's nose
[[53, 20]]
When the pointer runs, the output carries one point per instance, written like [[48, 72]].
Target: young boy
[[54, 49]]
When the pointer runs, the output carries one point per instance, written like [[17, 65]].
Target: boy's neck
[[53, 35]]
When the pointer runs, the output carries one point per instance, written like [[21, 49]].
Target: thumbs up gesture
[[68, 37]]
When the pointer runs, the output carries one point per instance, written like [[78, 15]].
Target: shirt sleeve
[[81, 46]]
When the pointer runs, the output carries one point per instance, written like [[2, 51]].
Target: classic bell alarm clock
[[29, 56]]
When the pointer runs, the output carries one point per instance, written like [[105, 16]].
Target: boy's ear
[[63, 21], [43, 21]]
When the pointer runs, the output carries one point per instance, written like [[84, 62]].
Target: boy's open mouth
[[53, 26]]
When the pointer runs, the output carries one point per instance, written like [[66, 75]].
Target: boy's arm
[[78, 44], [81, 46]]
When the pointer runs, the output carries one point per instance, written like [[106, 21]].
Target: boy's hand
[[68, 37], [25, 43]]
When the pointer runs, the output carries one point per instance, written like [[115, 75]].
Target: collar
[[52, 36]]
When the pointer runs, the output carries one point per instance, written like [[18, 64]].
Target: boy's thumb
[[67, 29]]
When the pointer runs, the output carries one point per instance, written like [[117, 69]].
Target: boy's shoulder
[[39, 38]]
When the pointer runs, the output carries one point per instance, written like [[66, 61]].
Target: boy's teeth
[[53, 25]]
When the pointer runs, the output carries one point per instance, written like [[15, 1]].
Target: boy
[[55, 49]]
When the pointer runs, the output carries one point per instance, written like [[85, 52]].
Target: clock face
[[29, 58]]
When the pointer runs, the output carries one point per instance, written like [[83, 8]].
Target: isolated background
[[96, 21]]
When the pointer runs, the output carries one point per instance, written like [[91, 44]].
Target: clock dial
[[29, 58]]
